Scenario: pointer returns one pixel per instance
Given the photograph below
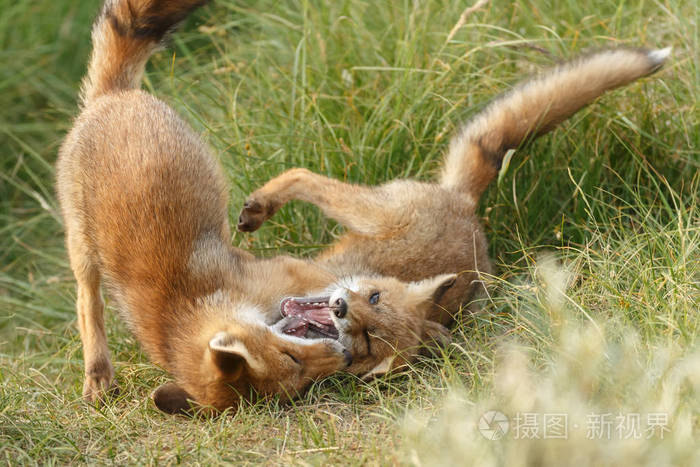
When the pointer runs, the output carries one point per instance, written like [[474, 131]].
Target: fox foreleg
[[359, 208]]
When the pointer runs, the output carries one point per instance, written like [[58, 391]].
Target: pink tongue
[[320, 315], [297, 326], [310, 311], [301, 315]]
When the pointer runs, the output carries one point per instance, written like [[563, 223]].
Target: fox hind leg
[[99, 372]]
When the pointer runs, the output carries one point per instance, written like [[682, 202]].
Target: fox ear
[[433, 288], [172, 399], [383, 368], [230, 355]]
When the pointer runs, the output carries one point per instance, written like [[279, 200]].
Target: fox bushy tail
[[535, 107], [124, 36]]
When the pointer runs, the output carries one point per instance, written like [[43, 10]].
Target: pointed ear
[[383, 368], [435, 336], [433, 288], [172, 399], [230, 355]]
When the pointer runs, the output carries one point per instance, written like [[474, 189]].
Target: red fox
[[412, 230], [144, 205]]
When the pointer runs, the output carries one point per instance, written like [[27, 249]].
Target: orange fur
[[145, 211]]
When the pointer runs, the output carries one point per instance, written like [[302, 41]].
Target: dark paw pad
[[252, 216], [252, 207]]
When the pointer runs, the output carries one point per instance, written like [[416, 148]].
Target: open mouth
[[308, 317]]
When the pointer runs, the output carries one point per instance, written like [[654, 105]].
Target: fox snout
[[340, 307], [340, 304]]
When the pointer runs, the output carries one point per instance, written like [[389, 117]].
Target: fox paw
[[254, 213], [99, 382]]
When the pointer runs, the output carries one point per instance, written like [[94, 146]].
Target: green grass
[[594, 229]]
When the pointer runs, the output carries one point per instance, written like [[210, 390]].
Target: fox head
[[382, 321], [244, 360]]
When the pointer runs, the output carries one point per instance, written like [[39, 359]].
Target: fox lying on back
[[413, 231]]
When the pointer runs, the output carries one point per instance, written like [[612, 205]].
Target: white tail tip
[[659, 56]]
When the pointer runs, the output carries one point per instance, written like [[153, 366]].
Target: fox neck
[[166, 307]]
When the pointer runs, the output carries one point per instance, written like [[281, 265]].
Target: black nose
[[341, 308]]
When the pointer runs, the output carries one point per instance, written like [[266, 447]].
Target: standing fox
[[145, 210], [412, 230]]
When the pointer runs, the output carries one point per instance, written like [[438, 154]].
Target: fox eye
[[374, 298]]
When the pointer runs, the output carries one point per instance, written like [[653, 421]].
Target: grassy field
[[594, 231]]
